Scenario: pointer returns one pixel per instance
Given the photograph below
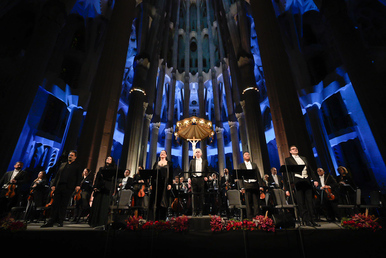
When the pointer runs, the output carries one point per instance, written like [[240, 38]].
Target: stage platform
[[329, 240]]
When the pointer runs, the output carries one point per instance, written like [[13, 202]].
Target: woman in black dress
[[37, 194], [161, 188], [102, 187], [82, 198]]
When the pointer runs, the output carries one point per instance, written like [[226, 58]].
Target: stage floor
[[329, 240], [68, 226]]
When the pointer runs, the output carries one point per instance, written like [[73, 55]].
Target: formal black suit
[[252, 192], [272, 182], [198, 184], [7, 203], [68, 177], [303, 190], [323, 203]]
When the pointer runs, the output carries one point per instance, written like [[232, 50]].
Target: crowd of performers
[[79, 195]]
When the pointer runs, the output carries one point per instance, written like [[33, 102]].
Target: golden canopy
[[194, 128]]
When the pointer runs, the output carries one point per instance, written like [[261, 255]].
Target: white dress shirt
[[299, 161], [248, 165], [275, 179], [198, 167], [322, 180]]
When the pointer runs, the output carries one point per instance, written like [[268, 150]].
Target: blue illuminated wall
[[55, 119]]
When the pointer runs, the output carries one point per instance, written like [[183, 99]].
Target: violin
[[51, 198], [141, 192], [262, 195], [176, 205], [31, 196], [11, 191], [329, 194], [77, 195]]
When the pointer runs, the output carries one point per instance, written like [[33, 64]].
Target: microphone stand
[[113, 190], [295, 206]]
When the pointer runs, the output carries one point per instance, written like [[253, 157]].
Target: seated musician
[[126, 183], [38, 189], [139, 188], [82, 197], [36, 197], [11, 182], [327, 195], [347, 186]]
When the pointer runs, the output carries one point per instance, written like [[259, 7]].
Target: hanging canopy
[[194, 128]]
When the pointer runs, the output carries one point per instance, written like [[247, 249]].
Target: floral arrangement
[[258, 223], [361, 221], [11, 225], [179, 224], [217, 223]]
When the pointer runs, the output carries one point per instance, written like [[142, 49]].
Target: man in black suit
[[303, 182], [328, 195], [17, 178], [65, 182], [200, 168], [275, 180], [251, 186]]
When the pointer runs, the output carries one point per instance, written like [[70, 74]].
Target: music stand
[[292, 169], [112, 173], [243, 174]]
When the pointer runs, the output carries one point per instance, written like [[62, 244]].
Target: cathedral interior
[[109, 77]]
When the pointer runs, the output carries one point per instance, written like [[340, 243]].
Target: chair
[[234, 201], [353, 206], [283, 219], [281, 202], [375, 201], [124, 200]]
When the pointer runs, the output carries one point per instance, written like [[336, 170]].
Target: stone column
[[185, 144], [218, 123], [220, 149], [243, 131], [153, 144], [235, 144], [97, 133], [145, 137], [287, 116], [202, 110]]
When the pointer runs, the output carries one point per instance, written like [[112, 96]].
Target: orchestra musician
[[347, 186], [126, 183], [303, 186], [66, 180], [38, 189], [251, 187], [139, 188], [327, 196], [82, 197], [11, 183], [36, 195], [199, 166], [275, 180], [102, 191], [161, 191], [226, 183]]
